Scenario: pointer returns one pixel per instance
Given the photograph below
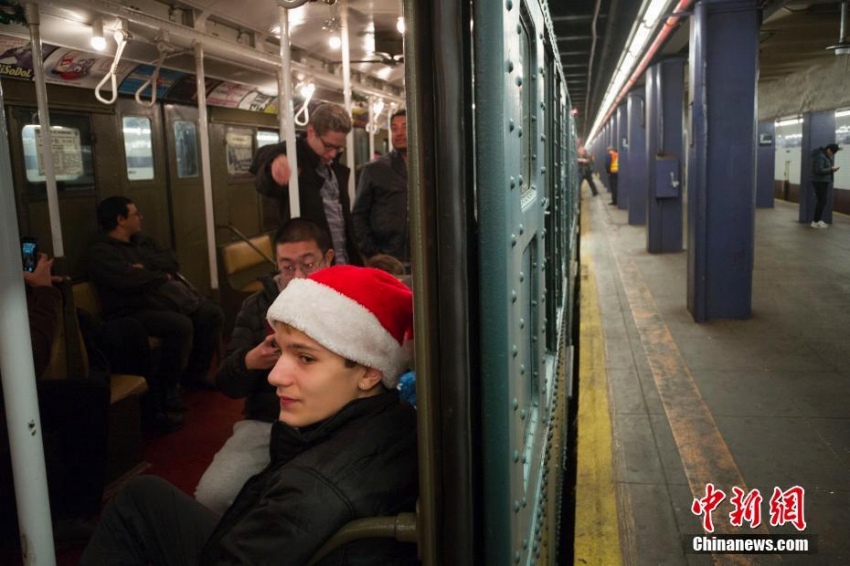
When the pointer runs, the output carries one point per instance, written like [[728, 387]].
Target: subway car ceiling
[[241, 50]]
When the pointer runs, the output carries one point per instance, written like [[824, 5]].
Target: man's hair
[[303, 230], [388, 263], [330, 118], [110, 209], [399, 112]]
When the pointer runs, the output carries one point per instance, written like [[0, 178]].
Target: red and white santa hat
[[360, 313]]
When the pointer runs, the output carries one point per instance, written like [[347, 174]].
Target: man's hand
[[280, 170], [41, 275], [836, 168], [264, 355]]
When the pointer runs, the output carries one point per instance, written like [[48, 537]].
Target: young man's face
[[300, 259], [132, 223], [312, 382], [398, 129], [327, 145]]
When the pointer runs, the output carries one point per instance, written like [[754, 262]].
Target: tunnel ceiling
[[591, 35]]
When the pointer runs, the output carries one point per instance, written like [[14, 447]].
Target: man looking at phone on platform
[[322, 179]]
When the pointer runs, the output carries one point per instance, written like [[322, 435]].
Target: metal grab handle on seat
[[401, 527]]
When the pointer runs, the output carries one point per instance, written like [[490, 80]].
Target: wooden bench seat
[[243, 265]]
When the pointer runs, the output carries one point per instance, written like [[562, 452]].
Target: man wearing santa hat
[[344, 447]]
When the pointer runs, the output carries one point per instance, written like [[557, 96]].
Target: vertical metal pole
[[371, 127], [34, 20], [16, 366], [203, 121], [390, 127], [346, 90], [286, 112]]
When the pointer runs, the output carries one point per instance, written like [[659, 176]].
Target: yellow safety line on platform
[[597, 537]]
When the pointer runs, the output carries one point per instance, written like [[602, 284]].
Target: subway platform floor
[[674, 414]]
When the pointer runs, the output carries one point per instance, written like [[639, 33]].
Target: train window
[[267, 138], [72, 153], [240, 150], [138, 147], [527, 91], [186, 148]]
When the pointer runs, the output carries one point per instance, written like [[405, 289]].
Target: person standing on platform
[[322, 179], [585, 169], [612, 166], [380, 208], [823, 172]]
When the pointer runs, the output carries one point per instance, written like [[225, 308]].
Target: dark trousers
[[150, 522], [588, 176], [196, 337], [612, 181], [820, 198], [74, 425]]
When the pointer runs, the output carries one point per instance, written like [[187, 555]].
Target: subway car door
[[186, 193]]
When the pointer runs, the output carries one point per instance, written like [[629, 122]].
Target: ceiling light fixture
[[399, 25], [98, 41]]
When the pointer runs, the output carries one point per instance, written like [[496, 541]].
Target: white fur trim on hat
[[342, 325]]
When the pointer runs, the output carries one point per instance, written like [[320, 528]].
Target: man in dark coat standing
[[322, 179]]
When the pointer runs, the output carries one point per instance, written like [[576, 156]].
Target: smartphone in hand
[[29, 253]]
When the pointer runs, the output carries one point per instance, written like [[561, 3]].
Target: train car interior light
[[98, 41]]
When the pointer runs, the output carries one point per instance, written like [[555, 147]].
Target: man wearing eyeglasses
[[322, 179], [302, 247]]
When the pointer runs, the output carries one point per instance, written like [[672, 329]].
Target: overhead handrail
[[248, 241], [302, 117], [121, 38], [164, 51]]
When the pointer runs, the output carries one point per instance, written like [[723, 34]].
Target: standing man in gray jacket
[[380, 212]]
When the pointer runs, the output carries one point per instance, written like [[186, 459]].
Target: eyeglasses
[[289, 269], [330, 147]]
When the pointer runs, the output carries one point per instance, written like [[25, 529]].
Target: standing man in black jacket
[[380, 208], [322, 179], [302, 247]]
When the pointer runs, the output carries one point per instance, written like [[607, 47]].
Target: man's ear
[[329, 256], [371, 378]]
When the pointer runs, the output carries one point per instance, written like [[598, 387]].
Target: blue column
[[622, 148], [664, 106], [633, 196], [818, 131], [721, 168], [766, 162]]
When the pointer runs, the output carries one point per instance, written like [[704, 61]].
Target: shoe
[[822, 224], [173, 401], [167, 422], [815, 225]]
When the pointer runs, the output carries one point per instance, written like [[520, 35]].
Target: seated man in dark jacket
[[301, 248], [343, 448], [128, 268], [322, 179]]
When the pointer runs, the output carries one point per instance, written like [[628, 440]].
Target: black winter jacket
[[359, 463], [123, 289], [309, 187], [233, 378], [380, 209]]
